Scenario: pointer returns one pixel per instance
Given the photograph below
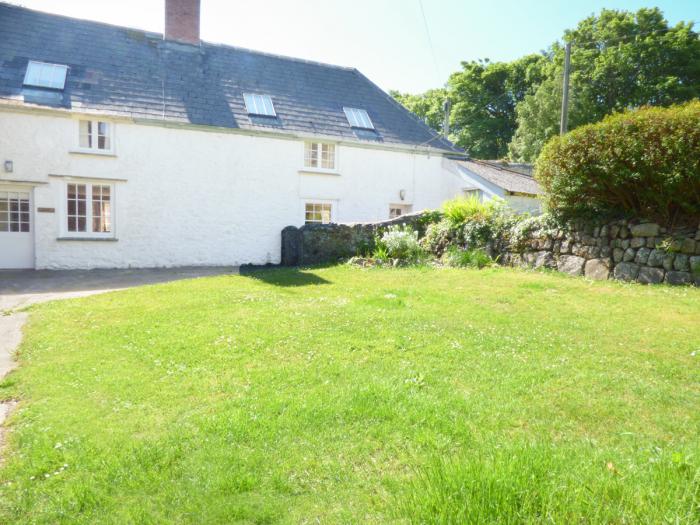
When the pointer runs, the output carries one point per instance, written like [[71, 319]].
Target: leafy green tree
[[427, 106], [483, 95], [619, 60]]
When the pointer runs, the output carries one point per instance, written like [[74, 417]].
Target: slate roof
[[502, 177], [132, 73]]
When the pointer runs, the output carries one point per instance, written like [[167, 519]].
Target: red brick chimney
[[182, 21]]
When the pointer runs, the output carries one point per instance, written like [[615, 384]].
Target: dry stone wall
[[324, 243], [625, 250], [628, 251]]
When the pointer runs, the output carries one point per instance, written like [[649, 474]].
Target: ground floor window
[[318, 212], [397, 210], [14, 211], [89, 208]]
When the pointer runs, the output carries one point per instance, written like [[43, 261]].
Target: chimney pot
[[182, 21]]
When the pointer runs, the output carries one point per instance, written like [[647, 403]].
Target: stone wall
[[324, 243], [627, 251], [624, 250]]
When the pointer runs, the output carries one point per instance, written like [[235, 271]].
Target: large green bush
[[641, 164]]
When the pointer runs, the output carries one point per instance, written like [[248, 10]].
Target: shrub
[[400, 242], [532, 227], [462, 209], [455, 256], [639, 164], [438, 236]]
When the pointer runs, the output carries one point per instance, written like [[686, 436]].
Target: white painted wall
[[524, 204], [193, 197]]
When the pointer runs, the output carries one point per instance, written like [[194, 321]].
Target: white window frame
[[318, 168], [405, 209], [89, 234], [358, 118], [94, 134], [45, 75], [332, 203], [257, 104], [24, 216]]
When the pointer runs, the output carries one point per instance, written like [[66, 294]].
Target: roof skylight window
[[358, 118], [45, 75], [259, 105]]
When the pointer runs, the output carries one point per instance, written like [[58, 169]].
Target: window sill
[[89, 239], [96, 153], [319, 171]]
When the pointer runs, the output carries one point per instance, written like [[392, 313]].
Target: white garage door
[[16, 237]]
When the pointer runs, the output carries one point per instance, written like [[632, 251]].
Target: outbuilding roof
[[509, 180], [131, 73]]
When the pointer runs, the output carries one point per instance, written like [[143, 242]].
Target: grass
[[342, 395]]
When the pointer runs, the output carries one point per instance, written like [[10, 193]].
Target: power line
[[430, 40]]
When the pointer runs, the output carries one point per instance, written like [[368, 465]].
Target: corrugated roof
[[502, 177], [132, 73]]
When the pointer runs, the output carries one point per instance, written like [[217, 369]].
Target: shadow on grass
[[280, 276]]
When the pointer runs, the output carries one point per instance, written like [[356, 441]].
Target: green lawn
[[341, 395]]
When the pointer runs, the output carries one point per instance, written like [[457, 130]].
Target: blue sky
[[385, 39]]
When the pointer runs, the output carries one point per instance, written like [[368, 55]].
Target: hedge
[[639, 164]]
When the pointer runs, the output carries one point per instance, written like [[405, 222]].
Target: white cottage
[[122, 148]]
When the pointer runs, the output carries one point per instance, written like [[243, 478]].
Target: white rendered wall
[[192, 197], [523, 204]]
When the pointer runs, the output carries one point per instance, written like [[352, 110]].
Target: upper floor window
[[358, 118], [89, 208], [319, 155], [95, 135], [259, 105], [45, 75]]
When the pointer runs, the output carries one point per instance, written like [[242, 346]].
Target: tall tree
[[427, 106], [483, 95], [619, 60]]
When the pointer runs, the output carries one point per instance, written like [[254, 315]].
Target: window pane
[[4, 226], [259, 105], [358, 118], [77, 207], [45, 75], [313, 155], [103, 135], [85, 134], [101, 209], [328, 156]]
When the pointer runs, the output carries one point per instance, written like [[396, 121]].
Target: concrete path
[[21, 288]]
